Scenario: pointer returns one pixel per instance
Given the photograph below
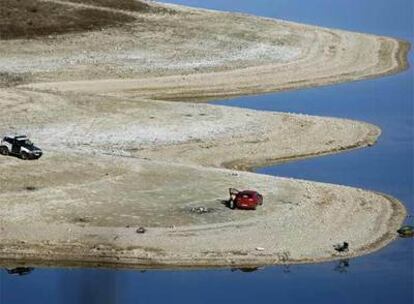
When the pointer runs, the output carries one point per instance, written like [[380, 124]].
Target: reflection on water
[[342, 266], [383, 277], [19, 270], [246, 269]]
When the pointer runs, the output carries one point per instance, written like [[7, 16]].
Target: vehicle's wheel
[[232, 204], [24, 155], [4, 150]]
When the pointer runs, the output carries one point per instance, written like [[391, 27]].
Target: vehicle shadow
[[19, 156], [11, 155], [225, 203]]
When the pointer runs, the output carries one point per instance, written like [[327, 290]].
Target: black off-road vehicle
[[20, 146]]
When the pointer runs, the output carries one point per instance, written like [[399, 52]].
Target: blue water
[[385, 102], [383, 277]]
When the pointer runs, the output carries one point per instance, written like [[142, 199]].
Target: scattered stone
[[201, 210]]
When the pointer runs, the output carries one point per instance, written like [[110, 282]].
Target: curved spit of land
[[123, 150]]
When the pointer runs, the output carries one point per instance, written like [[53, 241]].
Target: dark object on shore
[[406, 231], [141, 230], [20, 271], [344, 247], [19, 146], [246, 199]]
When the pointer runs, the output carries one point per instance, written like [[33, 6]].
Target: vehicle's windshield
[[26, 142]]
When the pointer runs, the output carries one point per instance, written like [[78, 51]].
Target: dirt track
[[118, 156]]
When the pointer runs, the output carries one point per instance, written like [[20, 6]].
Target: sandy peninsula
[[86, 210], [116, 102]]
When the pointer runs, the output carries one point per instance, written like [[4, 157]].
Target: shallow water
[[383, 277]]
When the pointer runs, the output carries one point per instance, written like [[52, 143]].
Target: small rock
[[200, 210], [81, 220]]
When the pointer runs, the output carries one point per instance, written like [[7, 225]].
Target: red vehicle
[[247, 199]]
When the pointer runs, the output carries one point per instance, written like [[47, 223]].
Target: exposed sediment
[[87, 209], [200, 134], [120, 155]]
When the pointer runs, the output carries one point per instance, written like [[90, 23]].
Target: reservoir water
[[383, 277]]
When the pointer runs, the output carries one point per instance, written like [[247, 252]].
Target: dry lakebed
[[117, 101]]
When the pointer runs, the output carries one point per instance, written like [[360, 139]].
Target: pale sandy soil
[[118, 154], [235, 54], [208, 135], [86, 209]]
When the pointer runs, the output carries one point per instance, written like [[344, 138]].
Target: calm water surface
[[383, 277]]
